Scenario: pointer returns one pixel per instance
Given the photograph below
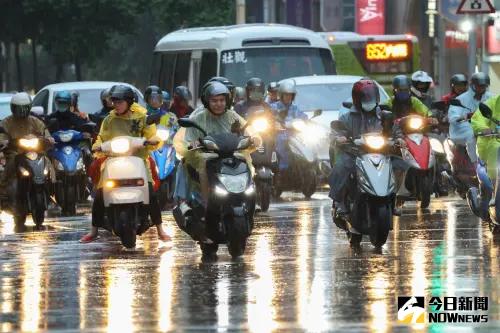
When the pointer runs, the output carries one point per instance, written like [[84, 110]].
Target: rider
[[239, 95], [166, 101], [180, 105], [461, 132], [403, 103], [286, 108], [420, 85], [272, 93], [254, 98], [154, 102], [16, 126], [107, 106], [458, 85], [128, 118], [363, 117], [63, 118]]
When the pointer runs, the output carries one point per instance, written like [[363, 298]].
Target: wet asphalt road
[[298, 274]]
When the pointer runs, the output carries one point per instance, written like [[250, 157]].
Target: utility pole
[[240, 12], [472, 48]]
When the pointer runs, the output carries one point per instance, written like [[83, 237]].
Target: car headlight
[[436, 145], [29, 143], [66, 137], [260, 125], [374, 141], [80, 164], [234, 184], [120, 145], [163, 133], [415, 123]]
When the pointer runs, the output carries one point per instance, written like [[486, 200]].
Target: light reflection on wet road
[[299, 274]]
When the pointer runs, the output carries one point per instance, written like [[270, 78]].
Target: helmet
[[287, 87], [20, 105], [214, 89], [229, 85], [240, 93], [153, 93], [272, 86], [401, 87], [123, 93], [183, 92], [105, 94], [458, 79], [479, 79], [421, 82], [255, 89], [166, 96], [365, 95], [63, 100]]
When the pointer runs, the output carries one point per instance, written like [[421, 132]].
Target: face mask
[[368, 106], [402, 96]]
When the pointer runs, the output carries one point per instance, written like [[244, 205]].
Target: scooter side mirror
[[485, 111], [347, 105], [456, 102], [317, 113], [186, 122]]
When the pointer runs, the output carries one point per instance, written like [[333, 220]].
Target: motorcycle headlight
[[29, 143], [374, 141], [234, 184], [32, 155], [24, 172], [66, 137], [120, 146], [260, 125], [68, 150], [163, 133], [79, 164], [415, 123], [437, 146]]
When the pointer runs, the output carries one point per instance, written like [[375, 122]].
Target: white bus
[[272, 52]]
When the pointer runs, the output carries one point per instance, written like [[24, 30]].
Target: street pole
[[472, 48], [484, 63], [442, 70], [240, 12]]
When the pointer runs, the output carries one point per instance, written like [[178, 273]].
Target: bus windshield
[[274, 64]]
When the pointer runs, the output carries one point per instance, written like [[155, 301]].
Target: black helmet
[[123, 93], [480, 79], [458, 79], [153, 92], [401, 82], [255, 89], [229, 85], [105, 95], [20, 105], [183, 92], [214, 89]]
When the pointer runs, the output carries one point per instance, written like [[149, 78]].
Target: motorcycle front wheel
[[127, 229], [380, 216], [237, 236], [264, 192]]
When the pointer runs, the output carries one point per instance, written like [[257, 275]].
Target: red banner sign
[[370, 17]]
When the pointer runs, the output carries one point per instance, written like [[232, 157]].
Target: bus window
[[181, 72], [274, 64], [166, 71], [208, 67]]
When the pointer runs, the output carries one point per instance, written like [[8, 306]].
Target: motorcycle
[[224, 214], [126, 189], [28, 192], [166, 163], [372, 188], [297, 158], [264, 159], [419, 178], [490, 209], [69, 163]]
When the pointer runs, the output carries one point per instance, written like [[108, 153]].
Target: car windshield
[[4, 109], [274, 64], [90, 100], [327, 96]]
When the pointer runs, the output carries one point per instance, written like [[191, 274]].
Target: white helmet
[[421, 76], [420, 83], [20, 105], [287, 87]]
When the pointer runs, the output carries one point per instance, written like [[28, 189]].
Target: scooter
[[28, 192], [69, 163], [125, 190], [264, 159], [223, 214], [372, 189], [419, 179], [166, 163], [297, 158], [491, 212]]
